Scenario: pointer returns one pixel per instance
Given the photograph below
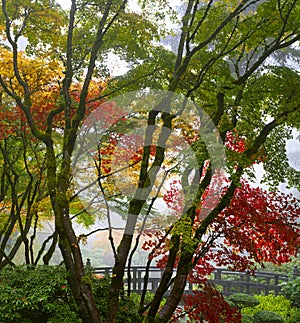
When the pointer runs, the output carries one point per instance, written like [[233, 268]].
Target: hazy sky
[[64, 3]]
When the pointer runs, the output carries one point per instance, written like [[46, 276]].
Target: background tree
[[24, 192]]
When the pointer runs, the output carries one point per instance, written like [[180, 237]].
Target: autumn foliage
[[235, 60], [258, 226], [44, 81], [208, 304]]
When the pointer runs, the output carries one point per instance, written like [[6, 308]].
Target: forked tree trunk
[[120, 263], [117, 278], [146, 180], [75, 268], [165, 280], [58, 184], [174, 298]]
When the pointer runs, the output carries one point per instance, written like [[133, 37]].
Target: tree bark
[[146, 180], [117, 278], [58, 184], [165, 280], [177, 291], [74, 264]]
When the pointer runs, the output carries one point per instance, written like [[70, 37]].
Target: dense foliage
[[291, 290], [31, 294], [265, 308], [36, 294]]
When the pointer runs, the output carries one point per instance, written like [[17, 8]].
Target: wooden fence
[[229, 281]]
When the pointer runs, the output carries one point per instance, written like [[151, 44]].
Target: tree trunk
[[50, 252], [173, 300], [117, 278], [58, 184], [75, 268], [177, 291], [165, 280]]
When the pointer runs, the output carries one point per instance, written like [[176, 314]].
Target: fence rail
[[229, 281]]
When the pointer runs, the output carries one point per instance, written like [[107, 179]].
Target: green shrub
[[128, 307], [36, 294], [267, 317], [285, 268], [294, 317], [41, 294], [278, 304], [291, 290], [241, 300], [247, 318], [229, 302]]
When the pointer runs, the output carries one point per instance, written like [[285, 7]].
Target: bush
[[41, 294], [294, 317], [36, 294], [278, 304], [291, 290], [267, 317], [128, 308], [241, 300], [247, 318]]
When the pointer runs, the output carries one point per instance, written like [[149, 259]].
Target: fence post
[[295, 272], [248, 280], [217, 274]]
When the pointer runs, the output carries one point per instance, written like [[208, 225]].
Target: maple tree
[[58, 107], [222, 66], [257, 227], [22, 190], [23, 194], [43, 85], [243, 233], [230, 80], [25, 200]]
